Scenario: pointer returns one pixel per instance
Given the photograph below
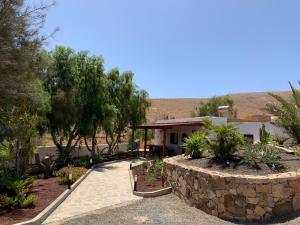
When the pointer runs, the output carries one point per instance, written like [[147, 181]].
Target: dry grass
[[246, 103]]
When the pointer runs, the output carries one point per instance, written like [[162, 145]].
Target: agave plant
[[288, 112]]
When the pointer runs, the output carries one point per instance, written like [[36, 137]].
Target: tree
[[129, 103], [210, 108], [95, 106], [138, 107], [23, 101], [74, 84], [288, 112]]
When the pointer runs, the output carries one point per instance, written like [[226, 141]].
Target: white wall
[[253, 128], [245, 128]]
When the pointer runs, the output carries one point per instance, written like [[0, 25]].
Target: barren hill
[[246, 104]]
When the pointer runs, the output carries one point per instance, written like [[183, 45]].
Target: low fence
[[78, 152]]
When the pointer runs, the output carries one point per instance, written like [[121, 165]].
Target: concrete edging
[[42, 216], [151, 194]]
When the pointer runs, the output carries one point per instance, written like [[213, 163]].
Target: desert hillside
[[246, 103]]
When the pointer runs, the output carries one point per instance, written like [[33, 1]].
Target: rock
[[296, 203], [253, 201], [259, 211], [263, 188], [295, 185], [282, 208], [279, 191], [247, 190], [290, 142]]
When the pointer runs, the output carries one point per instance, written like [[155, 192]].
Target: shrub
[[76, 172], [278, 139], [195, 145], [158, 165], [16, 193], [262, 154], [145, 165], [265, 137], [226, 142], [297, 151], [151, 178]]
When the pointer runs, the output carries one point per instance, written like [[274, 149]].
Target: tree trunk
[[132, 141]]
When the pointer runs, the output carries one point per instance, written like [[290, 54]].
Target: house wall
[[188, 130], [253, 128], [245, 128]]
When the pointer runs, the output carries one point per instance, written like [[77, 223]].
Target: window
[[174, 138]]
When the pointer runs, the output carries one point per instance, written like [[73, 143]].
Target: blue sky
[[187, 48]]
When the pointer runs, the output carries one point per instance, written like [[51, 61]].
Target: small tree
[[210, 107], [127, 104], [22, 98], [74, 82], [226, 142], [138, 106], [288, 112]]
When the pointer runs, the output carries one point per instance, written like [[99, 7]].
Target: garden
[[148, 175], [226, 177], [61, 94]]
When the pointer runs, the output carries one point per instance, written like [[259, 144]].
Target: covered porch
[[164, 126]]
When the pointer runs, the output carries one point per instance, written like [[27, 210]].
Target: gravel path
[[164, 210], [105, 186]]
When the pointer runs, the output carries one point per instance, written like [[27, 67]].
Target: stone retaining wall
[[228, 196]]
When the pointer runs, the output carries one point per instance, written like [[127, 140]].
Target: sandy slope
[[246, 103]]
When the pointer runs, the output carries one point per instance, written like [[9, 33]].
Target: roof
[[168, 124]]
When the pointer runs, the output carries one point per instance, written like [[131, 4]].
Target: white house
[[171, 133]]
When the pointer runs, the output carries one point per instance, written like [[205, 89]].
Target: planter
[[234, 197]]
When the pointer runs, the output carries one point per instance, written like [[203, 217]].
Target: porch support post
[[145, 141], [165, 143]]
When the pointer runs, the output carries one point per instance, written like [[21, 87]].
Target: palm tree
[[288, 112]]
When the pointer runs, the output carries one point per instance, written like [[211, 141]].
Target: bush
[[265, 137], [158, 165], [16, 193], [195, 145], [76, 172], [145, 165], [151, 178], [226, 142], [262, 154], [278, 139]]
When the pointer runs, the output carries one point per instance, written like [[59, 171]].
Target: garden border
[[149, 194], [42, 216], [234, 196]]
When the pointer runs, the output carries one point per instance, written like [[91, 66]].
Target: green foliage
[[130, 104], [16, 192], [158, 165], [278, 139], [85, 160], [262, 154], [210, 107], [145, 165], [195, 145], [23, 99], [288, 112], [265, 136], [297, 151], [140, 135], [151, 178], [76, 172], [226, 142], [75, 82]]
